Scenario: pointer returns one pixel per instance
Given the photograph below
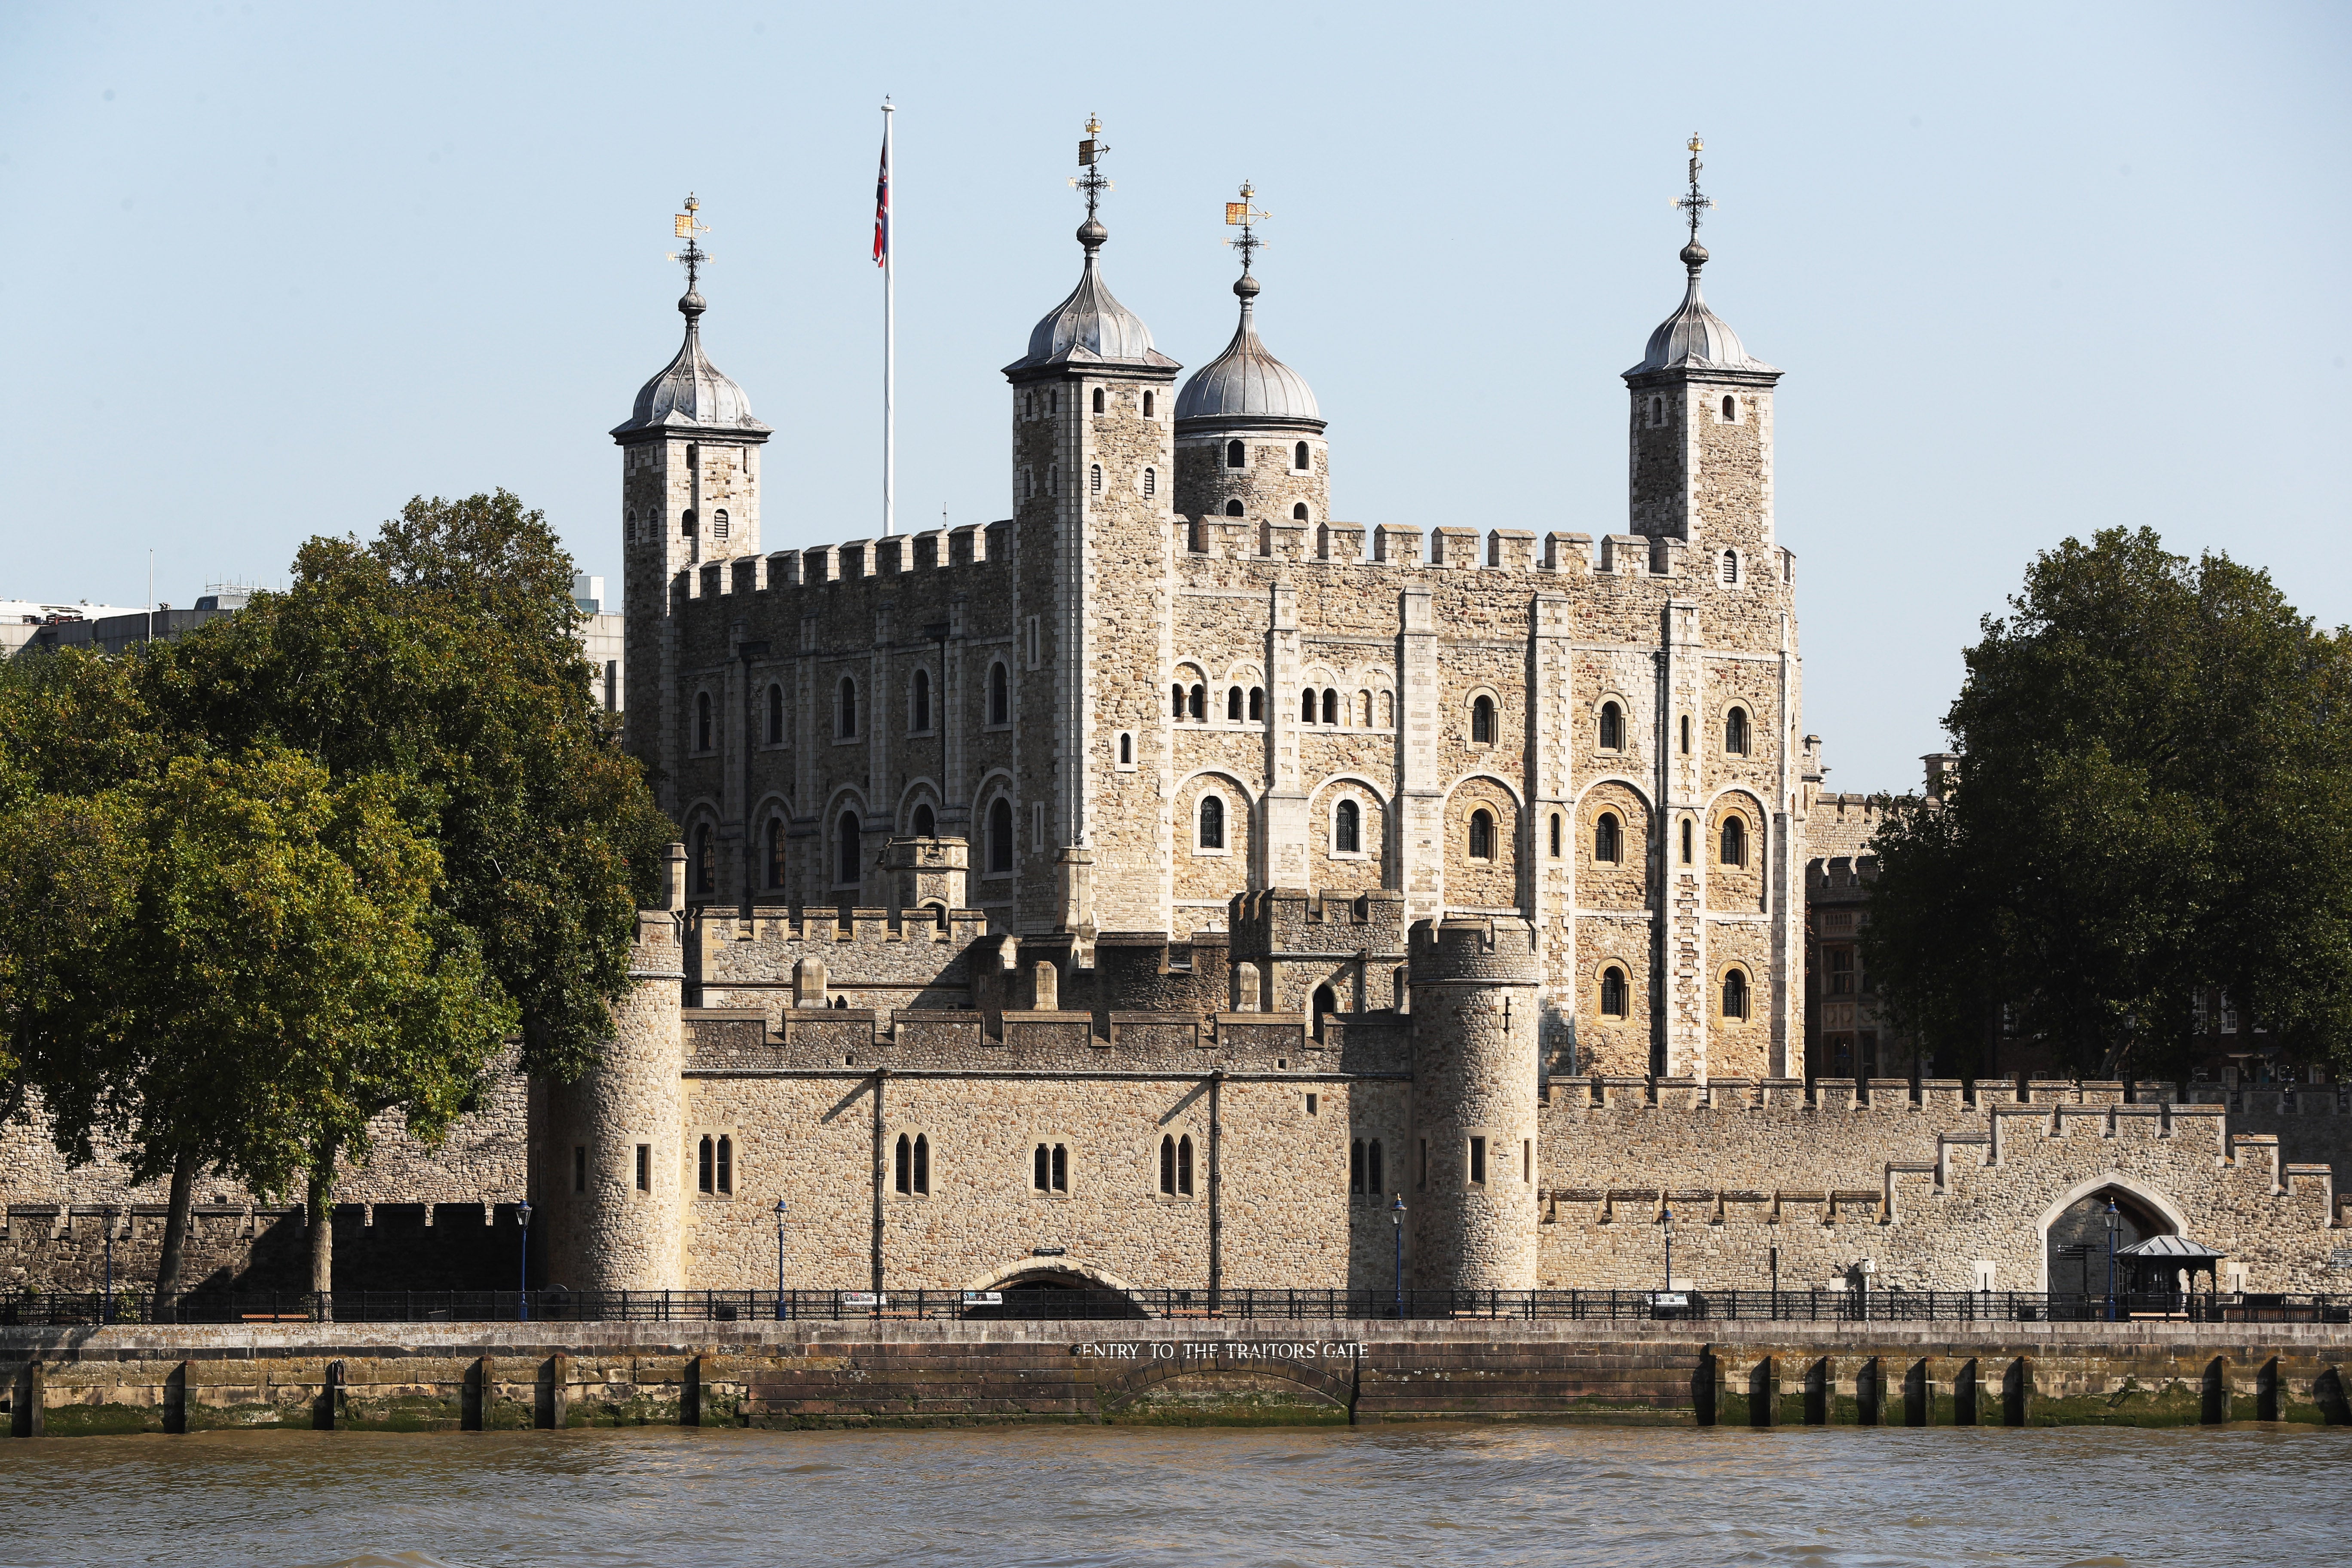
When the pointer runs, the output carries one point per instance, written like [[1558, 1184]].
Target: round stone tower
[[1473, 1191], [612, 1166]]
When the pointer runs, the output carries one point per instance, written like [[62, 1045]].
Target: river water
[[1070, 1496]]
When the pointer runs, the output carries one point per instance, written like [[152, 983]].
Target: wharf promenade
[[477, 1376]]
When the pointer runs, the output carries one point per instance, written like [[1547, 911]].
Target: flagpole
[[890, 352]]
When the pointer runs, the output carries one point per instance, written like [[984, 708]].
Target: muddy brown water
[[1078, 1496]]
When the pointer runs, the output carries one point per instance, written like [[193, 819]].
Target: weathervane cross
[[1694, 203], [685, 228], [1090, 154], [1241, 215]]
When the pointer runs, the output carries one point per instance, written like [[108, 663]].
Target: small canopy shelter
[[2155, 1264]]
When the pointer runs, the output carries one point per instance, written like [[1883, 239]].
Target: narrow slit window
[[1374, 1181], [644, 1167], [707, 1165], [1126, 750], [1150, 402], [1093, 478], [1356, 1166], [847, 717], [918, 703], [1555, 836], [702, 722], [922, 1163], [1184, 1165], [902, 1165], [851, 860], [999, 694], [1168, 1166], [725, 1166], [1687, 841], [1061, 1167], [1000, 836], [1477, 1162], [775, 715], [1150, 480], [1041, 1169]]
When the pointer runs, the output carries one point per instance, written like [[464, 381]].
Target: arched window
[[1198, 705], [702, 722], [706, 1165], [1167, 1166], [923, 821], [1612, 727], [1322, 535], [1306, 706], [1323, 540], [846, 718], [1734, 994], [1731, 568], [1482, 836], [1687, 841], [922, 1163], [1184, 1165], [1612, 993], [1330, 705], [1126, 750], [1041, 1168], [726, 1173], [706, 862], [775, 715], [1735, 731], [999, 835], [1658, 411], [1356, 1166], [718, 523], [1176, 701], [1326, 1001], [1150, 478], [1607, 839], [1555, 836], [1233, 705], [903, 1165], [1236, 456], [1234, 507], [919, 704], [1147, 406], [1028, 405], [1213, 823], [1093, 478], [1299, 457], [1734, 841], [1061, 1167], [1098, 400], [1730, 408], [1482, 721], [1347, 827], [999, 694], [1258, 703], [851, 861], [686, 524], [775, 856]]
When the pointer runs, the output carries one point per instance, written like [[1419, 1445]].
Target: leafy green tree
[[443, 654], [246, 967], [2154, 798]]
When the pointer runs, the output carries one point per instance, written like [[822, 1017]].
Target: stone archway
[[1039, 1287], [2074, 1232]]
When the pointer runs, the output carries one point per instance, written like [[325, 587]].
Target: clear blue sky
[[2031, 271]]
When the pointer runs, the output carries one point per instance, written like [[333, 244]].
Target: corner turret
[[1473, 1103]]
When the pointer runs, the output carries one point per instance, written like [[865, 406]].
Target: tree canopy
[[316, 862], [2153, 801]]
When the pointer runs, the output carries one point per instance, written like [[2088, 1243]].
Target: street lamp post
[[1396, 1214], [779, 1261], [106, 1306], [1666, 1229], [2113, 1216], [522, 1262]]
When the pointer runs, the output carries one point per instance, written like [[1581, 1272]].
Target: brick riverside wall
[[450, 1377]]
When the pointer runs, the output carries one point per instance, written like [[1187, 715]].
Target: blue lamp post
[[779, 1261], [1396, 1214], [522, 1262]]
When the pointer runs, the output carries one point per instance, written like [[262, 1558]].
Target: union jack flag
[[882, 210]]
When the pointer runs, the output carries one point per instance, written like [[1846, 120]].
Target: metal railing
[[62, 1309]]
